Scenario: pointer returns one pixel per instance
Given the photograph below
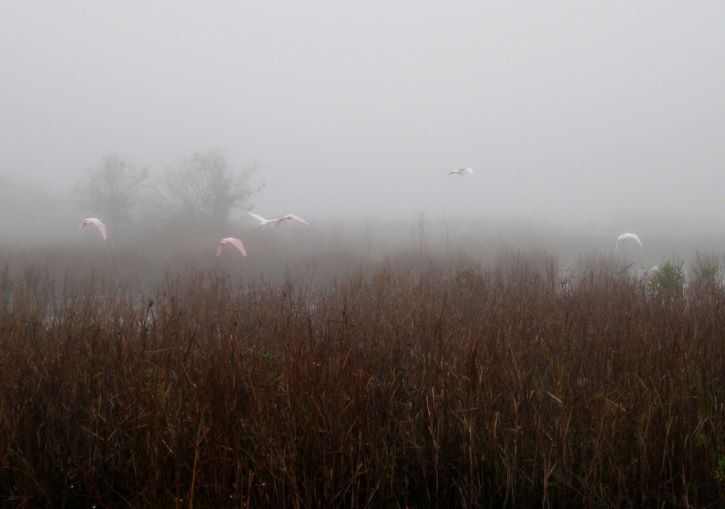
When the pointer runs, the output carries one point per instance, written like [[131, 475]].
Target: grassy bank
[[454, 387]]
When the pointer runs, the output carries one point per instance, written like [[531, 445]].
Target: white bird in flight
[[263, 221], [97, 223], [234, 242], [627, 236], [461, 171]]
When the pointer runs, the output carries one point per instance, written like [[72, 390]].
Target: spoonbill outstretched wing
[[461, 171], [234, 242], [290, 217], [97, 223], [627, 236]]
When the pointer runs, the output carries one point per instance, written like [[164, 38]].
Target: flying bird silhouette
[[234, 242], [263, 221], [97, 223], [461, 171], [627, 236]]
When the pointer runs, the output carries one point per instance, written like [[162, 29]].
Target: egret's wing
[[259, 218], [626, 236], [220, 248], [619, 240]]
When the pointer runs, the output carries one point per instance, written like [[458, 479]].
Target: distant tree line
[[201, 190]]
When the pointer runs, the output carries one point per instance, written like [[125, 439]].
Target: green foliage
[[670, 279], [465, 276], [720, 469], [706, 271]]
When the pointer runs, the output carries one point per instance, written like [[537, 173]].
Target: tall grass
[[451, 387]]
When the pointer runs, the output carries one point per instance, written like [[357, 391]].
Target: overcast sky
[[568, 111]]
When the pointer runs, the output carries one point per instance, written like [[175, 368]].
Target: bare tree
[[111, 190], [420, 233], [203, 189]]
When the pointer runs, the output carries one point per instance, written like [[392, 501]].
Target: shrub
[[706, 271], [669, 280]]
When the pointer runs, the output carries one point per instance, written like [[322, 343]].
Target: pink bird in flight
[[263, 221], [97, 223], [234, 242]]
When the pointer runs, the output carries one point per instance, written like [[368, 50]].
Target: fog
[[609, 114]]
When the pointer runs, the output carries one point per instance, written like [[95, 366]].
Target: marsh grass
[[450, 386]]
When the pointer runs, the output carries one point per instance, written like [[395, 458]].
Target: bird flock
[[263, 222], [237, 243]]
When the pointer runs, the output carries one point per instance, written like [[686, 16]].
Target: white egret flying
[[627, 236], [461, 172], [263, 221]]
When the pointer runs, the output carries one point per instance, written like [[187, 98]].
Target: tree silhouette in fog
[[204, 190], [110, 191]]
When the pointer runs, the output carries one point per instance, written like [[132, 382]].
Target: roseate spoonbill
[[234, 242], [627, 236], [461, 171], [97, 223], [276, 221]]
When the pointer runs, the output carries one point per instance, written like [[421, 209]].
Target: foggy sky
[[569, 111]]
